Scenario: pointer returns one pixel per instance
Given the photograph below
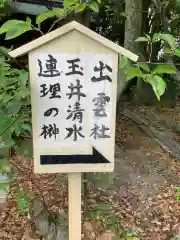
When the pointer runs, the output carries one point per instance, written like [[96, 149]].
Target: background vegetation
[[148, 28]]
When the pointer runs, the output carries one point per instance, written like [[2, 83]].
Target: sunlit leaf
[[69, 3], [8, 25], [80, 7], [141, 39], [164, 68], [17, 31], [158, 84], [49, 14], [94, 6], [133, 72], [14, 28]]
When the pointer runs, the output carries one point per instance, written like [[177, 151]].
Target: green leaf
[[5, 121], [144, 66], [9, 142], [133, 72], [27, 127], [17, 128], [141, 39], [164, 68], [23, 78], [14, 28], [80, 7], [132, 232], [158, 84], [69, 3], [106, 207], [22, 202], [49, 14], [123, 61], [177, 52], [5, 98], [28, 20], [22, 93], [17, 31], [178, 197], [168, 50], [8, 25], [165, 37], [94, 6], [5, 167], [14, 106], [3, 80]]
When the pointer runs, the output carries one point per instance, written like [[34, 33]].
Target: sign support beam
[[74, 199]]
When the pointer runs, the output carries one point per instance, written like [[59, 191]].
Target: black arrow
[[95, 158]]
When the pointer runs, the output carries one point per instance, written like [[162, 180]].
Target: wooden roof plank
[[65, 29]]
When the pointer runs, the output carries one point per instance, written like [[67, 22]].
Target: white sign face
[[73, 107]]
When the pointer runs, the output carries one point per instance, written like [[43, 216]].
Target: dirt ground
[[148, 177], [142, 192]]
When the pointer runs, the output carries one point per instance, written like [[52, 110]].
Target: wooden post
[[74, 198]]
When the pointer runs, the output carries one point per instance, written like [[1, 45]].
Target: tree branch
[[55, 22]]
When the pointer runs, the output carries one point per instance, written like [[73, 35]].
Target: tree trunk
[[145, 26], [133, 27], [133, 12]]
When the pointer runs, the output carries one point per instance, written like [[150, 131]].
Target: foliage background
[[148, 28]]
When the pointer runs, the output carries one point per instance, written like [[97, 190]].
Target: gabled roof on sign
[[65, 29]]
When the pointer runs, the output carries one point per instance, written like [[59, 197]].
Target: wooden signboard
[[74, 106], [73, 81]]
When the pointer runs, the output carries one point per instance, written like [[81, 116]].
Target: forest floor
[[141, 193]]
